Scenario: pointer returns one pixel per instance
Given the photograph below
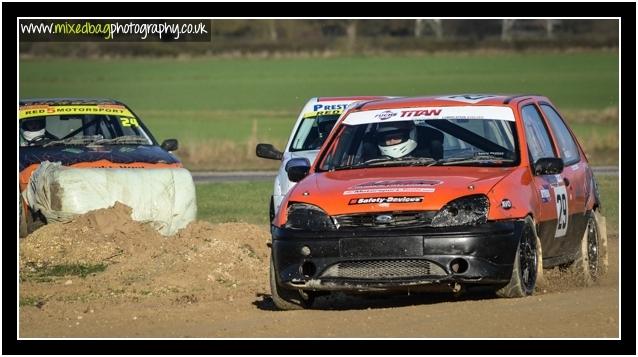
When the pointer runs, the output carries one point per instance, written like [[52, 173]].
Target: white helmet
[[396, 139], [33, 128], [30, 135]]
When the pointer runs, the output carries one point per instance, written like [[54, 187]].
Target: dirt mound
[[201, 261]]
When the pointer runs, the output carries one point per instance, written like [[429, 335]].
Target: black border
[[627, 345]]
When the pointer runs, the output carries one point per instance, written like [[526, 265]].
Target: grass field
[[234, 201], [220, 108], [248, 201]]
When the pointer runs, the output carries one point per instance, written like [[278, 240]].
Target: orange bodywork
[[334, 191]]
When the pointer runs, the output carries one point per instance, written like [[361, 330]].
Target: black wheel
[[589, 265], [526, 264], [29, 220], [23, 219], [288, 299], [272, 209]]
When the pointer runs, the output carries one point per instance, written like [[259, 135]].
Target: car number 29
[[562, 211]]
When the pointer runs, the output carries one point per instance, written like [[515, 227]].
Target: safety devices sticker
[[402, 199]]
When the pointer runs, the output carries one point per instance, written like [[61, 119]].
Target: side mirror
[[548, 166], [297, 169], [267, 151], [169, 145]]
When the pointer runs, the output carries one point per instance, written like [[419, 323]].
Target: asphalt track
[[232, 176]]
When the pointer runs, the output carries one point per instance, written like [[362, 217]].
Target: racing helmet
[[33, 127], [396, 139], [325, 123]]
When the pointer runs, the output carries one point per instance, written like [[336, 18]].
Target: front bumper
[[424, 258]]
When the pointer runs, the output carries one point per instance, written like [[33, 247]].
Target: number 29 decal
[[562, 211]]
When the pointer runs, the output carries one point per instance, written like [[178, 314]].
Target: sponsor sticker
[[467, 98], [318, 107], [431, 113], [33, 111], [322, 112], [388, 190], [385, 115], [421, 113], [545, 194], [390, 199], [386, 186]]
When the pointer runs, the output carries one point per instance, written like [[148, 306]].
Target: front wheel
[[526, 264], [23, 231], [272, 209], [288, 299]]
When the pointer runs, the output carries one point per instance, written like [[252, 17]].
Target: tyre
[[592, 256], [603, 252], [288, 299], [526, 264], [272, 209], [23, 219], [29, 220]]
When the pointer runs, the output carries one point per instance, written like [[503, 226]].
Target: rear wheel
[[603, 254], [590, 263], [526, 264], [288, 299]]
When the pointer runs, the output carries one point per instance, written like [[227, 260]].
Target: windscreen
[[58, 125], [427, 142], [314, 129]]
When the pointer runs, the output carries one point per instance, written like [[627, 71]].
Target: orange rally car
[[438, 193]]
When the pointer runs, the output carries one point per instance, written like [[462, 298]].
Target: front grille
[[410, 219], [384, 269]]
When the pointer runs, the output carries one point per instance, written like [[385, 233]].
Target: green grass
[[48, 273], [608, 187], [36, 301], [234, 201], [230, 104]]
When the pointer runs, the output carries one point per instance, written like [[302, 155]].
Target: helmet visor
[[33, 124], [393, 137]]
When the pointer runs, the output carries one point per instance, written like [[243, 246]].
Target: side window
[[536, 134], [566, 144]]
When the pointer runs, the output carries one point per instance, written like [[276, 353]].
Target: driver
[[33, 129], [396, 139], [324, 126]]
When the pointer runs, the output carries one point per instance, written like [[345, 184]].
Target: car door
[[551, 190], [574, 177]]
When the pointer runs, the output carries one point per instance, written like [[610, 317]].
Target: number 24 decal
[[129, 121], [562, 211]]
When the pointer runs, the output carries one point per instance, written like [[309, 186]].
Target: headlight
[[468, 210], [309, 218]]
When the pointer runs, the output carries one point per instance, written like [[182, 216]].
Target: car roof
[[69, 101], [364, 97], [449, 100]]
